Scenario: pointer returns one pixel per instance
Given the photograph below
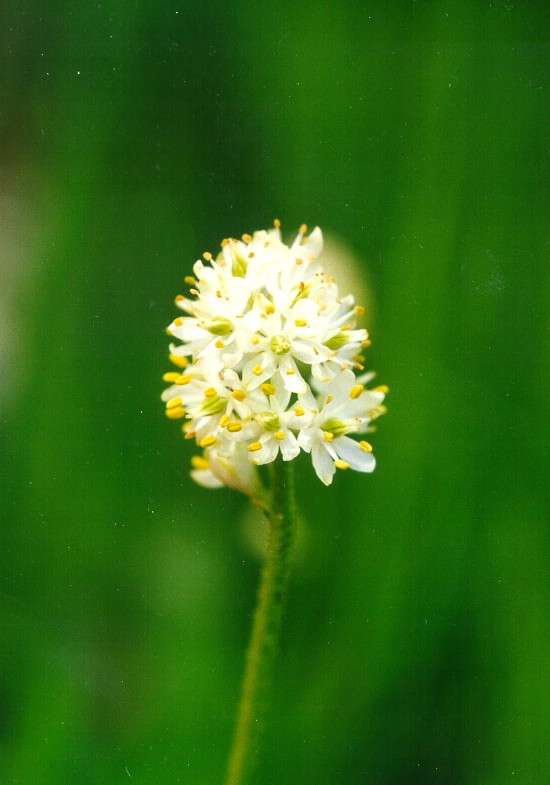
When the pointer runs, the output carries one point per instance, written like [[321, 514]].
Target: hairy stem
[[264, 640]]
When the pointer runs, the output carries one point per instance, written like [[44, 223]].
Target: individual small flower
[[266, 360], [344, 406]]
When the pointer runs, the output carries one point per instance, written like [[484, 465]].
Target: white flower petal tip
[[268, 361]]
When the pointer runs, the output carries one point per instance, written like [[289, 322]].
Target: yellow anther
[[255, 339], [299, 411], [173, 402], [268, 388], [356, 391], [171, 377], [208, 441], [254, 446], [219, 344], [276, 223], [300, 322], [346, 328], [299, 261], [365, 446], [367, 343], [290, 371], [194, 292], [183, 379], [224, 420], [175, 413], [179, 321], [359, 310], [269, 309], [328, 436], [210, 392], [190, 280], [239, 395], [280, 436], [359, 358], [340, 464], [378, 411], [247, 238], [181, 362], [207, 256], [257, 370], [180, 298], [198, 462], [189, 434], [234, 427], [303, 229], [330, 398], [382, 388]]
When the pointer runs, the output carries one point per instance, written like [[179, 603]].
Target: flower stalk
[[264, 640]]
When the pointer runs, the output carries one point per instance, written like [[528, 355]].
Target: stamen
[[356, 391], [365, 446], [234, 427], [173, 402], [269, 309], [340, 464], [300, 322], [254, 446], [268, 388], [210, 392], [276, 223], [359, 310], [280, 436], [208, 441], [207, 256], [198, 462], [382, 388], [175, 413], [299, 410], [176, 359], [239, 395], [257, 370], [328, 436], [190, 280], [171, 377]]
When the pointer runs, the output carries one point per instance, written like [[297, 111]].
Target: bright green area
[[417, 642]]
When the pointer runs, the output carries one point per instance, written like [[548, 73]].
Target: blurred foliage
[[133, 137]]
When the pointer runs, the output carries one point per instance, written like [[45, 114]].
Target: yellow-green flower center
[[280, 344]]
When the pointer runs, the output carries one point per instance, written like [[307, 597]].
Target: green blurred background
[[417, 640]]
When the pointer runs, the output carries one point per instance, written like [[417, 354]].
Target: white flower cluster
[[267, 361]]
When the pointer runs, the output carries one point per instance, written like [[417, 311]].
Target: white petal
[[348, 450], [322, 463], [305, 439], [292, 381], [289, 447], [267, 454], [314, 242], [205, 478]]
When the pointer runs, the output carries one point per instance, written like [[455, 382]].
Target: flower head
[[266, 357]]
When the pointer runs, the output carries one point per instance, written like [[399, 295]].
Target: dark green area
[[133, 136]]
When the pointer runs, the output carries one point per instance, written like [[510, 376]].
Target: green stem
[[264, 640]]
